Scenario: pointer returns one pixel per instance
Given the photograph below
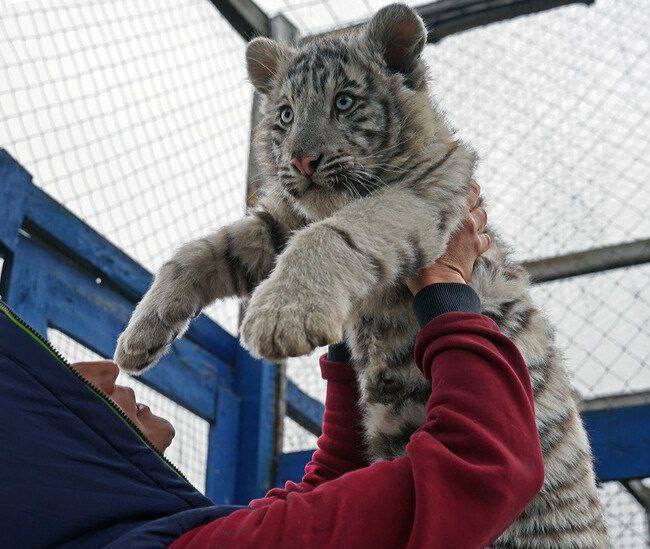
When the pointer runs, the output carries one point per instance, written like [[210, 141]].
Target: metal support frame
[[447, 17], [281, 29], [589, 261], [641, 493], [244, 16]]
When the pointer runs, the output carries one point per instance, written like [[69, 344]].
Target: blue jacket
[[73, 473]]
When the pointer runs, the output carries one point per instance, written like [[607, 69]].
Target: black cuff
[[339, 352], [444, 297]]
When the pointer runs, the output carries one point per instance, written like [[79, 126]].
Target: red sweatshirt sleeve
[[340, 446], [468, 472]]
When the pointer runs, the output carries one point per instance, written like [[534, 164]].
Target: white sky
[[136, 116]]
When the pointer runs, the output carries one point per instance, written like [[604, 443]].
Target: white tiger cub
[[364, 185]]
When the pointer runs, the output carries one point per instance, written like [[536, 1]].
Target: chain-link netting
[[627, 523], [136, 116]]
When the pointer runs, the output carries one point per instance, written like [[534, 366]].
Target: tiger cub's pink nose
[[306, 165]]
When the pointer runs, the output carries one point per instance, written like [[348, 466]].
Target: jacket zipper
[[13, 316]]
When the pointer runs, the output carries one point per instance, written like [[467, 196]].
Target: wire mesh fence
[[136, 116]]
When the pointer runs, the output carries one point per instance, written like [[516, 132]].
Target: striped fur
[[327, 256]]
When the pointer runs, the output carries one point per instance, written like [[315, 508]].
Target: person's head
[[341, 111], [103, 375]]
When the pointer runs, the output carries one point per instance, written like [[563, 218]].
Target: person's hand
[[464, 247], [103, 374]]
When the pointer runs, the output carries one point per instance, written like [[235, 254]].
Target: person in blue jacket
[[77, 468]]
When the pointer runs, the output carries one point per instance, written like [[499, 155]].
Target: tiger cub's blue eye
[[286, 115], [344, 101]]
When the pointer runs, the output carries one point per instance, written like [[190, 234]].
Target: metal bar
[[223, 444], [245, 17], [281, 29], [257, 389], [291, 466], [447, 17], [304, 410], [639, 492], [615, 401], [620, 438], [589, 261]]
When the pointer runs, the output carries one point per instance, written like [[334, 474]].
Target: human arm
[[468, 472], [340, 446]]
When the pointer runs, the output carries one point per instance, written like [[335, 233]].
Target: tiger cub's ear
[[399, 33], [264, 58]]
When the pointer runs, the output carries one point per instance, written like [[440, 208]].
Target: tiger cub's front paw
[[278, 324], [149, 334]]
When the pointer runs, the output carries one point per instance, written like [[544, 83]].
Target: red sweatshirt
[[468, 471]]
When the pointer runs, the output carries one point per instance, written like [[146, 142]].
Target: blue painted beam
[[291, 466], [15, 185], [619, 435], [223, 449], [25, 204], [60, 295], [257, 387], [28, 288], [74, 238], [620, 439], [187, 374], [304, 410]]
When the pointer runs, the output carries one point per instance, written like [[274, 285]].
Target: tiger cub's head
[[341, 112]]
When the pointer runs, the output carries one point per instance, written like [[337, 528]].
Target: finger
[[484, 242], [474, 194], [479, 219]]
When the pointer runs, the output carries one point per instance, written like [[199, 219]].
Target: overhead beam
[[304, 410], [447, 17], [245, 17], [589, 261], [641, 493], [615, 401]]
